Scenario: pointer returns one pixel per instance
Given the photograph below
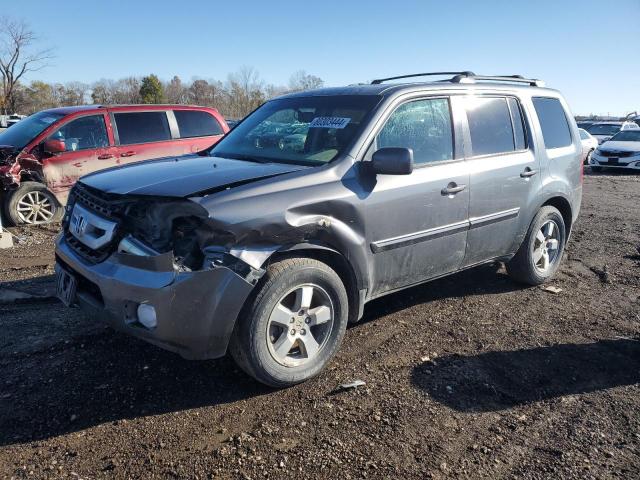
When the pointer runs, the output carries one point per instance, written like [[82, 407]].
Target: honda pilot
[[268, 247]]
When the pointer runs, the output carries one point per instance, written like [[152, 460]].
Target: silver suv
[[268, 247]]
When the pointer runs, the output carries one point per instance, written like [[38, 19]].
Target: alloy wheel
[[35, 207], [300, 325], [546, 246]]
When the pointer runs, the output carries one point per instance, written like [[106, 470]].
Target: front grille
[[108, 206], [607, 153], [90, 255]]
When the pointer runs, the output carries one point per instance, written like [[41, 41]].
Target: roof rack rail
[[468, 77], [428, 74], [534, 82]]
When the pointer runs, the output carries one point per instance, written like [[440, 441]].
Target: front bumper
[[632, 163], [196, 311]]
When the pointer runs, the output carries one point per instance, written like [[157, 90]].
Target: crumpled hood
[[182, 176], [621, 146]]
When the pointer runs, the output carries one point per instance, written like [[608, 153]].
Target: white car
[[589, 144], [622, 151], [603, 131]]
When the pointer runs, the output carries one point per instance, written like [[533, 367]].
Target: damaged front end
[[10, 167], [149, 267]]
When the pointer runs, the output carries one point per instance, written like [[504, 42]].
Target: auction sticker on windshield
[[329, 122]]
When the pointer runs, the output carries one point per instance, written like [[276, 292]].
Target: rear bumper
[[196, 311]]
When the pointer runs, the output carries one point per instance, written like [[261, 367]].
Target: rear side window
[[489, 125], [142, 127], [422, 125], [192, 123], [518, 124], [553, 121]]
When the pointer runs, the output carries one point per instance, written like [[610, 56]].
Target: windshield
[[583, 134], [603, 129], [300, 130], [20, 134], [627, 136]]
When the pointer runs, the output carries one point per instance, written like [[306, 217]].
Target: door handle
[[105, 156], [452, 189], [128, 154], [528, 173]]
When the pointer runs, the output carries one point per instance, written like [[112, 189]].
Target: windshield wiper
[[248, 158]]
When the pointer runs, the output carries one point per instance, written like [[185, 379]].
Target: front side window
[[194, 123], [20, 134], [301, 130], [84, 133], [423, 126], [490, 126], [553, 121], [142, 127]]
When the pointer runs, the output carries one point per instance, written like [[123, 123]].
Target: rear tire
[[587, 159], [293, 325], [540, 254], [32, 203]]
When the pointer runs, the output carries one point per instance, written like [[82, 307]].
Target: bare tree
[[17, 57], [301, 81]]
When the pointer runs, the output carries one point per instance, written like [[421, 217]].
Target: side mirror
[[393, 161], [54, 146]]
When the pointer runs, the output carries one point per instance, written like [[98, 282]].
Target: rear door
[[417, 224], [505, 178], [197, 129], [144, 135]]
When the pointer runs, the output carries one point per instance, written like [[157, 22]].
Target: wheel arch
[[351, 277], [564, 207]]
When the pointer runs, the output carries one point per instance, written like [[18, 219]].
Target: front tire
[[31, 203], [539, 256], [294, 325]]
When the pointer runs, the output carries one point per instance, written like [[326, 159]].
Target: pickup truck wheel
[[31, 203], [294, 325], [539, 256]]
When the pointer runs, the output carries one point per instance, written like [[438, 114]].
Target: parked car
[[270, 252], [621, 151], [44, 155], [584, 124], [603, 131], [13, 119], [589, 144]]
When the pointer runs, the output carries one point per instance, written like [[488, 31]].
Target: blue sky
[[590, 50]]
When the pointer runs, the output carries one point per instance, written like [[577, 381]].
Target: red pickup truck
[[42, 156]]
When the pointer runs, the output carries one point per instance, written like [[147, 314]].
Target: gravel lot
[[472, 376]]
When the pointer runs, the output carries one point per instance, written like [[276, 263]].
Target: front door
[[87, 149], [505, 177], [417, 224]]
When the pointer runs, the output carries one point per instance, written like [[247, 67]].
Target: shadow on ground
[[102, 377], [496, 381], [482, 280], [91, 378]]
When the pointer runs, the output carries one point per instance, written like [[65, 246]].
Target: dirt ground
[[472, 376]]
